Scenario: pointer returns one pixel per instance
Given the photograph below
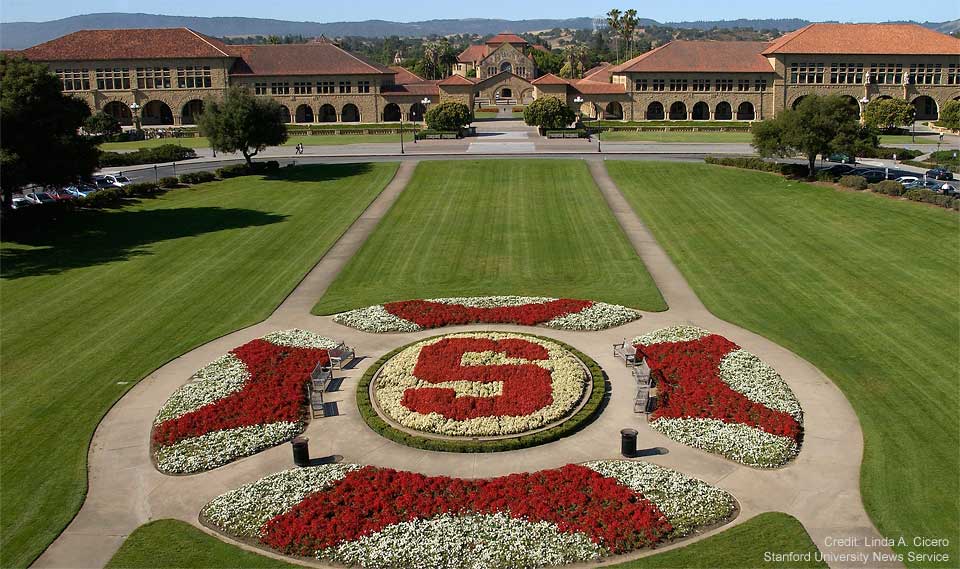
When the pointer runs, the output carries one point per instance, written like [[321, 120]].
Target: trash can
[[301, 450], [628, 442]]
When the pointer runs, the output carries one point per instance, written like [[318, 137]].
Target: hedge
[[583, 417], [889, 187], [855, 182], [169, 182], [929, 196], [197, 177], [163, 153], [754, 163], [246, 170], [888, 153]]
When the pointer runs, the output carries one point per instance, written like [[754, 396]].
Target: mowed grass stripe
[[109, 296], [864, 287], [489, 227]]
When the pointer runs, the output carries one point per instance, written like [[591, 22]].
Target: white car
[[20, 202], [907, 179], [114, 180]]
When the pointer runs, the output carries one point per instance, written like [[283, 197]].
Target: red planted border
[[690, 387], [427, 314], [575, 498]]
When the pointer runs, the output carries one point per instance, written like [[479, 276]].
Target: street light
[[401, 132], [579, 101], [425, 101], [134, 108]]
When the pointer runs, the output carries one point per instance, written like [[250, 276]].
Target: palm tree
[[629, 23], [615, 24]]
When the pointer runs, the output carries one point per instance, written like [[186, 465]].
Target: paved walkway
[[821, 488]]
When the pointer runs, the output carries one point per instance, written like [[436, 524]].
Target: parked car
[[931, 185], [41, 198], [905, 180], [940, 174], [842, 158], [948, 190], [80, 190], [61, 194], [112, 181], [838, 169], [20, 202], [872, 175]]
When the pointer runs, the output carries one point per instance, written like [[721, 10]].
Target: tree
[[887, 114], [950, 115], [547, 61], [613, 21], [576, 57], [628, 24], [242, 123], [449, 116], [819, 125], [102, 124], [40, 143], [549, 113]]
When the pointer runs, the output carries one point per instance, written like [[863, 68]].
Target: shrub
[[102, 198], [824, 176], [549, 113], [794, 170], [950, 115], [244, 170], [855, 182], [888, 187], [929, 196], [887, 153], [141, 189], [452, 115], [197, 177], [169, 182], [748, 162], [164, 153]]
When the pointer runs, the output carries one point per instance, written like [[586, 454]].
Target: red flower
[[575, 498], [274, 393], [689, 386], [435, 314]]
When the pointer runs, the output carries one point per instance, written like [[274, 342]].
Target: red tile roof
[[404, 75], [873, 39], [153, 43], [505, 38], [314, 58], [425, 88], [701, 57], [598, 87], [472, 53], [599, 73], [456, 80], [550, 79]]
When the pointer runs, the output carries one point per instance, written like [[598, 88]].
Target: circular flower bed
[[378, 517], [250, 399], [479, 384], [717, 397], [515, 390], [558, 313]]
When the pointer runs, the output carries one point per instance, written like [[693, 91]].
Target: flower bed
[[717, 397], [377, 517], [250, 399], [558, 313], [480, 384]]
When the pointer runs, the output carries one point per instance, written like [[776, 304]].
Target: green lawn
[[901, 139], [864, 287], [676, 136], [95, 302], [312, 140], [486, 227]]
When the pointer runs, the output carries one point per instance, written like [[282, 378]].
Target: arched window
[[701, 112], [120, 111], [304, 113], [926, 108], [506, 66], [328, 113], [350, 113], [191, 111], [417, 111], [156, 113], [678, 111], [391, 113], [614, 111], [655, 111], [285, 113], [745, 112], [723, 112]]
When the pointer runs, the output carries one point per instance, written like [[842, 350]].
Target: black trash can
[[628, 442], [301, 451]]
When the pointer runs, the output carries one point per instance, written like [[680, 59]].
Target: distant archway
[[678, 111], [156, 113], [350, 113], [285, 114], [417, 111], [926, 108], [853, 103], [613, 111], [723, 112], [304, 113], [328, 113], [745, 112], [506, 93], [701, 112], [655, 111], [796, 102], [526, 96], [391, 113], [191, 111], [119, 111]]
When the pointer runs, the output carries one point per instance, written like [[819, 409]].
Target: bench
[[625, 351], [320, 379], [340, 355]]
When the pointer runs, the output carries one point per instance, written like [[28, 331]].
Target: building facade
[[165, 75]]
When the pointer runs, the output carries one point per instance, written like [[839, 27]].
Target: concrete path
[[821, 488]]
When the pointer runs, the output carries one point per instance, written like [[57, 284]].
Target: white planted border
[[222, 377], [598, 316]]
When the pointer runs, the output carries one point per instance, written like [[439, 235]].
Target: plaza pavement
[[820, 488]]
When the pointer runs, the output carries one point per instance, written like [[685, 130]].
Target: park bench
[[320, 379], [625, 351], [340, 355]]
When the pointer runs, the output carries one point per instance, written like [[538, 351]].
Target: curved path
[[821, 488]]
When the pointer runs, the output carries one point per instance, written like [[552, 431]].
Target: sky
[[408, 11]]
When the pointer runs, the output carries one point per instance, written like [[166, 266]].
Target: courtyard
[[535, 266]]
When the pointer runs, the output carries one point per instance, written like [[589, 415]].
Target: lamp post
[[401, 132], [579, 101], [135, 108], [425, 101]]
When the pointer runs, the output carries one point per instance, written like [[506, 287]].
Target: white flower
[[211, 383], [671, 334], [220, 447], [568, 382], [758, 382], [687, 502], [375, 319], [598, 316], [244, 511], [473, 541], [300, 339], [736, 441]]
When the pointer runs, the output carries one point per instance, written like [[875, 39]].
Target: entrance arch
[[191, 111], [796, 102], [723, 112], [526, 96], [119, 111], [852, 102], [613, 111], [678, 111], [391, 113], [505, 93], [655, 111], [285, 114], [156, 113], [417, 111], [701, 112], [745, 112], [304, 114], [350, 113], [328, 113], [926, 108]]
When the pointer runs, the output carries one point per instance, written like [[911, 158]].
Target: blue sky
[[406, 10]]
